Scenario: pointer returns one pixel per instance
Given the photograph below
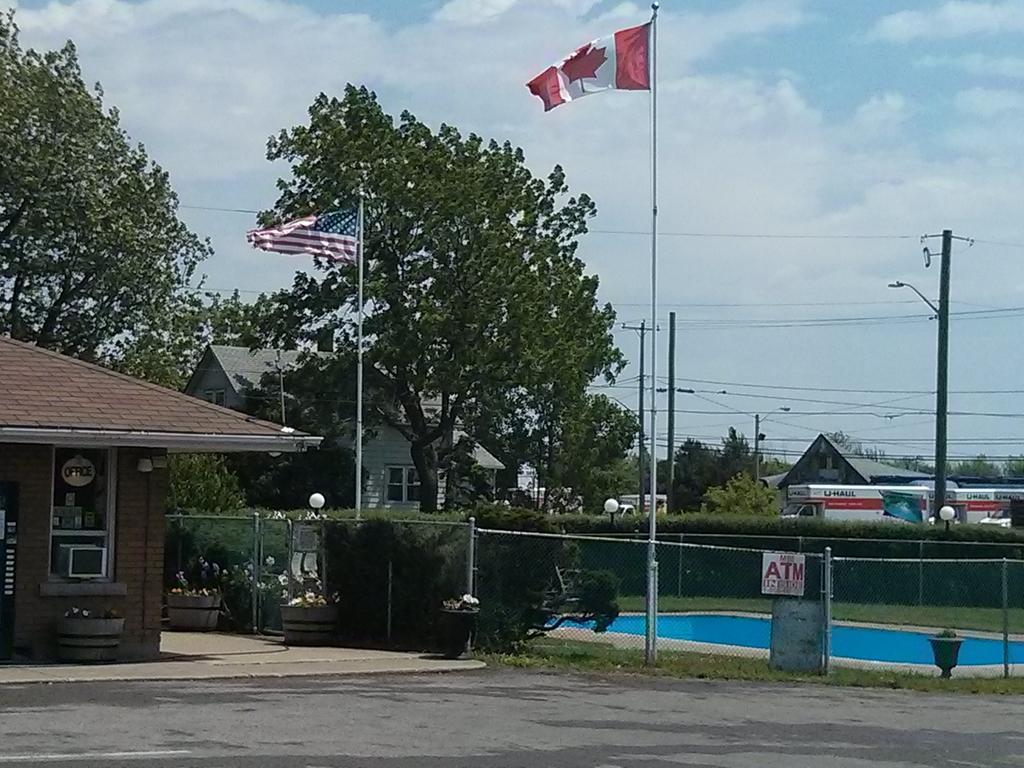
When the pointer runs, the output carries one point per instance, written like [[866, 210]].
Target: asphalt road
[[500, 719]]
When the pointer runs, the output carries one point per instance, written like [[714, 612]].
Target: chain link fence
[[389, 575], [588, 594]]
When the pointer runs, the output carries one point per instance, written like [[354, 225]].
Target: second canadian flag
[[619, 61]]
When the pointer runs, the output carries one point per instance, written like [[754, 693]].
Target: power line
[[853, 390]]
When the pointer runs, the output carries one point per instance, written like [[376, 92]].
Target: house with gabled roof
[[83, 488], [224, 374], [826, 462]]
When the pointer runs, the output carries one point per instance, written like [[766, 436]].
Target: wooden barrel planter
[[194, 613], [88, 640], [309, 626]]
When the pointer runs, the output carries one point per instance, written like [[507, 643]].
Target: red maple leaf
[[584, 63]]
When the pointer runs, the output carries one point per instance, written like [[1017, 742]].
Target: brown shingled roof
[[46, 390]]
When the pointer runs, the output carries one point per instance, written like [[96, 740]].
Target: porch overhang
[[173, 442]]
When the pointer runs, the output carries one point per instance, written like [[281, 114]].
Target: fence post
[[920, 572], [826, 588], [1006, 622], [256, 574], [471, 558], [679, 571], [387, 630]]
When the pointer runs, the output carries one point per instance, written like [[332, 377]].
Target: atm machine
[[8, 551]]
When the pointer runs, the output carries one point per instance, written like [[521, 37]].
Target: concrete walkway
[[208, 656]]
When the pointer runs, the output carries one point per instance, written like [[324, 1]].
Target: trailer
[[907, 503], [858, 503]]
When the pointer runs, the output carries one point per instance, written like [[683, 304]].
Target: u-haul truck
[[859, 503], [909, 503]]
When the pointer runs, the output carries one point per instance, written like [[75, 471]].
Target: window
[[83, 512], [403, 484], [215, 396]]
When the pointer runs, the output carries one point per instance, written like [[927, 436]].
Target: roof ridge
[[180, 396]]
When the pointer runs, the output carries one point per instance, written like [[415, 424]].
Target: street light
[[317, 501], [946, 514], [611, 507], [941, 366]]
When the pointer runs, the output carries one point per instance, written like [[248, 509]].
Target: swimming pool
[[849, 642]]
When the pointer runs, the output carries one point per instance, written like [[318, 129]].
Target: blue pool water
[[866, 643]]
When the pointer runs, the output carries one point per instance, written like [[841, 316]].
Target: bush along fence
[[802, 610]]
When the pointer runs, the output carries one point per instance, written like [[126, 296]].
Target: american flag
[[333, 235]]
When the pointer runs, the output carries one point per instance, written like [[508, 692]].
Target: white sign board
[[782, 574]]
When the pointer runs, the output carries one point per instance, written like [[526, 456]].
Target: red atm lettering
[[793, 571]]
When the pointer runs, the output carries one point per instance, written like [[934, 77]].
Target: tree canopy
[[92, 254], [476, 300]]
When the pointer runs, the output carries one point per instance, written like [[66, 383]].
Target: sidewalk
[[211, 656]]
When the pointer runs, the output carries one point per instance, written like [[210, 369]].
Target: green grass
[[937, 616], [597, 658]]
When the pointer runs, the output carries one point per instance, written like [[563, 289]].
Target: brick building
[[83, 485]]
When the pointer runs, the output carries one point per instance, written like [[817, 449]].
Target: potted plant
[[946, 650], [310, 618], [89, 636], [195, 605], [458, 625]]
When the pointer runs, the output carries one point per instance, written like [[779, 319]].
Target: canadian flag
[[618, 61]]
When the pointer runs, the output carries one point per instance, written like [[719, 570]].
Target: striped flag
[[333, 235]]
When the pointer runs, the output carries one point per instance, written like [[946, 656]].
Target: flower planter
[[195, 613], [88, 640], [315, 625], [946, 651], [457, 628]]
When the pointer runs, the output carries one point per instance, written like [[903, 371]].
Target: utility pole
[[642, 330], [942, 373], [670, 501], [757, 447], [280, 386]]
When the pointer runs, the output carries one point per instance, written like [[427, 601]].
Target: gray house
[[826, 462], [225, 373]]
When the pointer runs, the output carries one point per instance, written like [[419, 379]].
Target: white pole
[[359, 372], [650, 645]]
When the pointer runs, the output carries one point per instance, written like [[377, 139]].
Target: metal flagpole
[[650, 640], [359, 371]]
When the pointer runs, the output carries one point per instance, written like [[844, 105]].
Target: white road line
[[56, 758]]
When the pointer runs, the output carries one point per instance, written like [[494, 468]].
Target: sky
[[804, 148]]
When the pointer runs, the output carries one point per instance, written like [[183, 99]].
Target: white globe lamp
[[946, 515], [317, 501], [611, 506]]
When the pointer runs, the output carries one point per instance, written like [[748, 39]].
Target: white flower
[[470, 600], [269, 562], [283, 580]]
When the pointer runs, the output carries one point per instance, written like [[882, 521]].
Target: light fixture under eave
[[145, 465]]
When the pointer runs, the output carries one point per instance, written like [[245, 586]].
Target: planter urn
[[457, 628], [193, 613], [946, 651], [88, 640], [314, 625]]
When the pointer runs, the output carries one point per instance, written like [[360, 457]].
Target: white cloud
[[956, 18], [204, 82], [1008, 67], [882, 115], [989, 102]]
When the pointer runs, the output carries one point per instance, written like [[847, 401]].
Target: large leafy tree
[[476, 298], [91, 248]]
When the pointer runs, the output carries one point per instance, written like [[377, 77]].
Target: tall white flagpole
[[650, 639], [359, 371]]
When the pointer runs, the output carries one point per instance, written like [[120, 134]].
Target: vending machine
[[8, 553]]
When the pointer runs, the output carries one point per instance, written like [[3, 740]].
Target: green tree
[[979, 466], [92, 253], [741, 495], [202, 483], [476, 297]]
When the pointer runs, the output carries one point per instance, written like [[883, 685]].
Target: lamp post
[[317, 501], [946, 514], [611, 508], [942, 370]]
